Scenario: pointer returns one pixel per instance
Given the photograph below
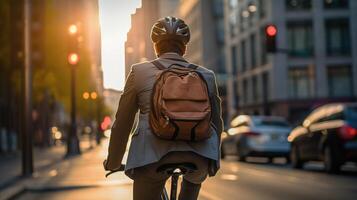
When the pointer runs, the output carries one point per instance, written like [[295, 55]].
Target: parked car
[[328, 134], [263, 136]]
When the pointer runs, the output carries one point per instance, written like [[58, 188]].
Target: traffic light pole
[[72, 140], [27, 157]]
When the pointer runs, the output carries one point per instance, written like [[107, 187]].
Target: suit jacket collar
[[172, 56]]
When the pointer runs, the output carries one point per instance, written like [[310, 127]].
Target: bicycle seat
[[180, 168]]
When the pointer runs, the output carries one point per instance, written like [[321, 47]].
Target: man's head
[[170, 34]]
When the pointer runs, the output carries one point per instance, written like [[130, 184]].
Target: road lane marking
[[229, 177]]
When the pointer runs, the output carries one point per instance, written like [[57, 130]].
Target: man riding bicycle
[[148, 151]]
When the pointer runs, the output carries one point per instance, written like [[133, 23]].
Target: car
[[328, 134], [260, 136]]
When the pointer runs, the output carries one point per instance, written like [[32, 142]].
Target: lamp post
[[73, 147], [98, 135], [90, 96], [27, 156], [94, 96]]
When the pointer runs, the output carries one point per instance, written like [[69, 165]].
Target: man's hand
[[111, 171]]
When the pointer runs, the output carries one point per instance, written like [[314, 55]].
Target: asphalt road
[[259, 180], [83, 179]]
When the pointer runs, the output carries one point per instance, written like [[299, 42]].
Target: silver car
[[261, 136]]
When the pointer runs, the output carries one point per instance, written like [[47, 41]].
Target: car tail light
[[347, 132], [251, 133]]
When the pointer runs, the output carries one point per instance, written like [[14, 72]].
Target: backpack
[[180, 107]]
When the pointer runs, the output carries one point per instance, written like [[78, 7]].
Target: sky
[[115, 24]]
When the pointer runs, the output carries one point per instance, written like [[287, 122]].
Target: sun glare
[[115, 23]]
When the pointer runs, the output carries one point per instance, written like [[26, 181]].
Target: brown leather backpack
[[180, 108]]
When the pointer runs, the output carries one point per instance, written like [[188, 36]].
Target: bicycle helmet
[[170, 28]]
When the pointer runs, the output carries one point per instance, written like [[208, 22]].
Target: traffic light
[[73, 56], [270, 38]]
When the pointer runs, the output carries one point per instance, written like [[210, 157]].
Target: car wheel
[[296, 161], [270, 160], [287, 160], [241, 157], [331, 162]]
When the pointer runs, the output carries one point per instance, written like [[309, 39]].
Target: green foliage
[[57, 74]]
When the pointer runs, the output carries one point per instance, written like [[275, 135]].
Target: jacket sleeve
[[216, 108], [123, 123]]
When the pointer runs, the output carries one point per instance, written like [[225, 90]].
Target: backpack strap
[[192, 66], [158, 65]]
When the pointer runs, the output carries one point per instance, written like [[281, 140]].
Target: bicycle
[[174, 170]]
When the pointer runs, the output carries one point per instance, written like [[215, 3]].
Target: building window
[[337, 37], [294, 5], [243, 19], [252, 9], [233, 24], [262, 8], [245, 91], [265, 93], [263, 53], [332, 4], [234, 60], [300, 39], [243, 56], [221, 64], [236, 93], [299, 83], [255, 89], [339, 81], [253, 51]]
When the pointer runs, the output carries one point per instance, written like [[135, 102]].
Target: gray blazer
[[145, 147]]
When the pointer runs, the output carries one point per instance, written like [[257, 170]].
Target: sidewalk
[[10, 165], [80, 177]]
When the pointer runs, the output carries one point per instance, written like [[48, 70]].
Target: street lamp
[[94, 95], [72, 29], [85, 95], [73, 147]]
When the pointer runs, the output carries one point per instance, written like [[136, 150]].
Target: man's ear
[[184, 50]]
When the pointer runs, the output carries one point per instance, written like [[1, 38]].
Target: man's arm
[[216, 109], [123, 123]]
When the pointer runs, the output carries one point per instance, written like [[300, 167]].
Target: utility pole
[[27, 157]]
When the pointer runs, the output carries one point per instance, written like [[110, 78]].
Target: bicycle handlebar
[[121, 168]]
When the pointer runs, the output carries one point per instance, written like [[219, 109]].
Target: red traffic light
[[73, 58], [271, 30]]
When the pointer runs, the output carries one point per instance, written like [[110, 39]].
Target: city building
[[111, 100], [138, 46], [206, 47], [316, 61], [93, 41]]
